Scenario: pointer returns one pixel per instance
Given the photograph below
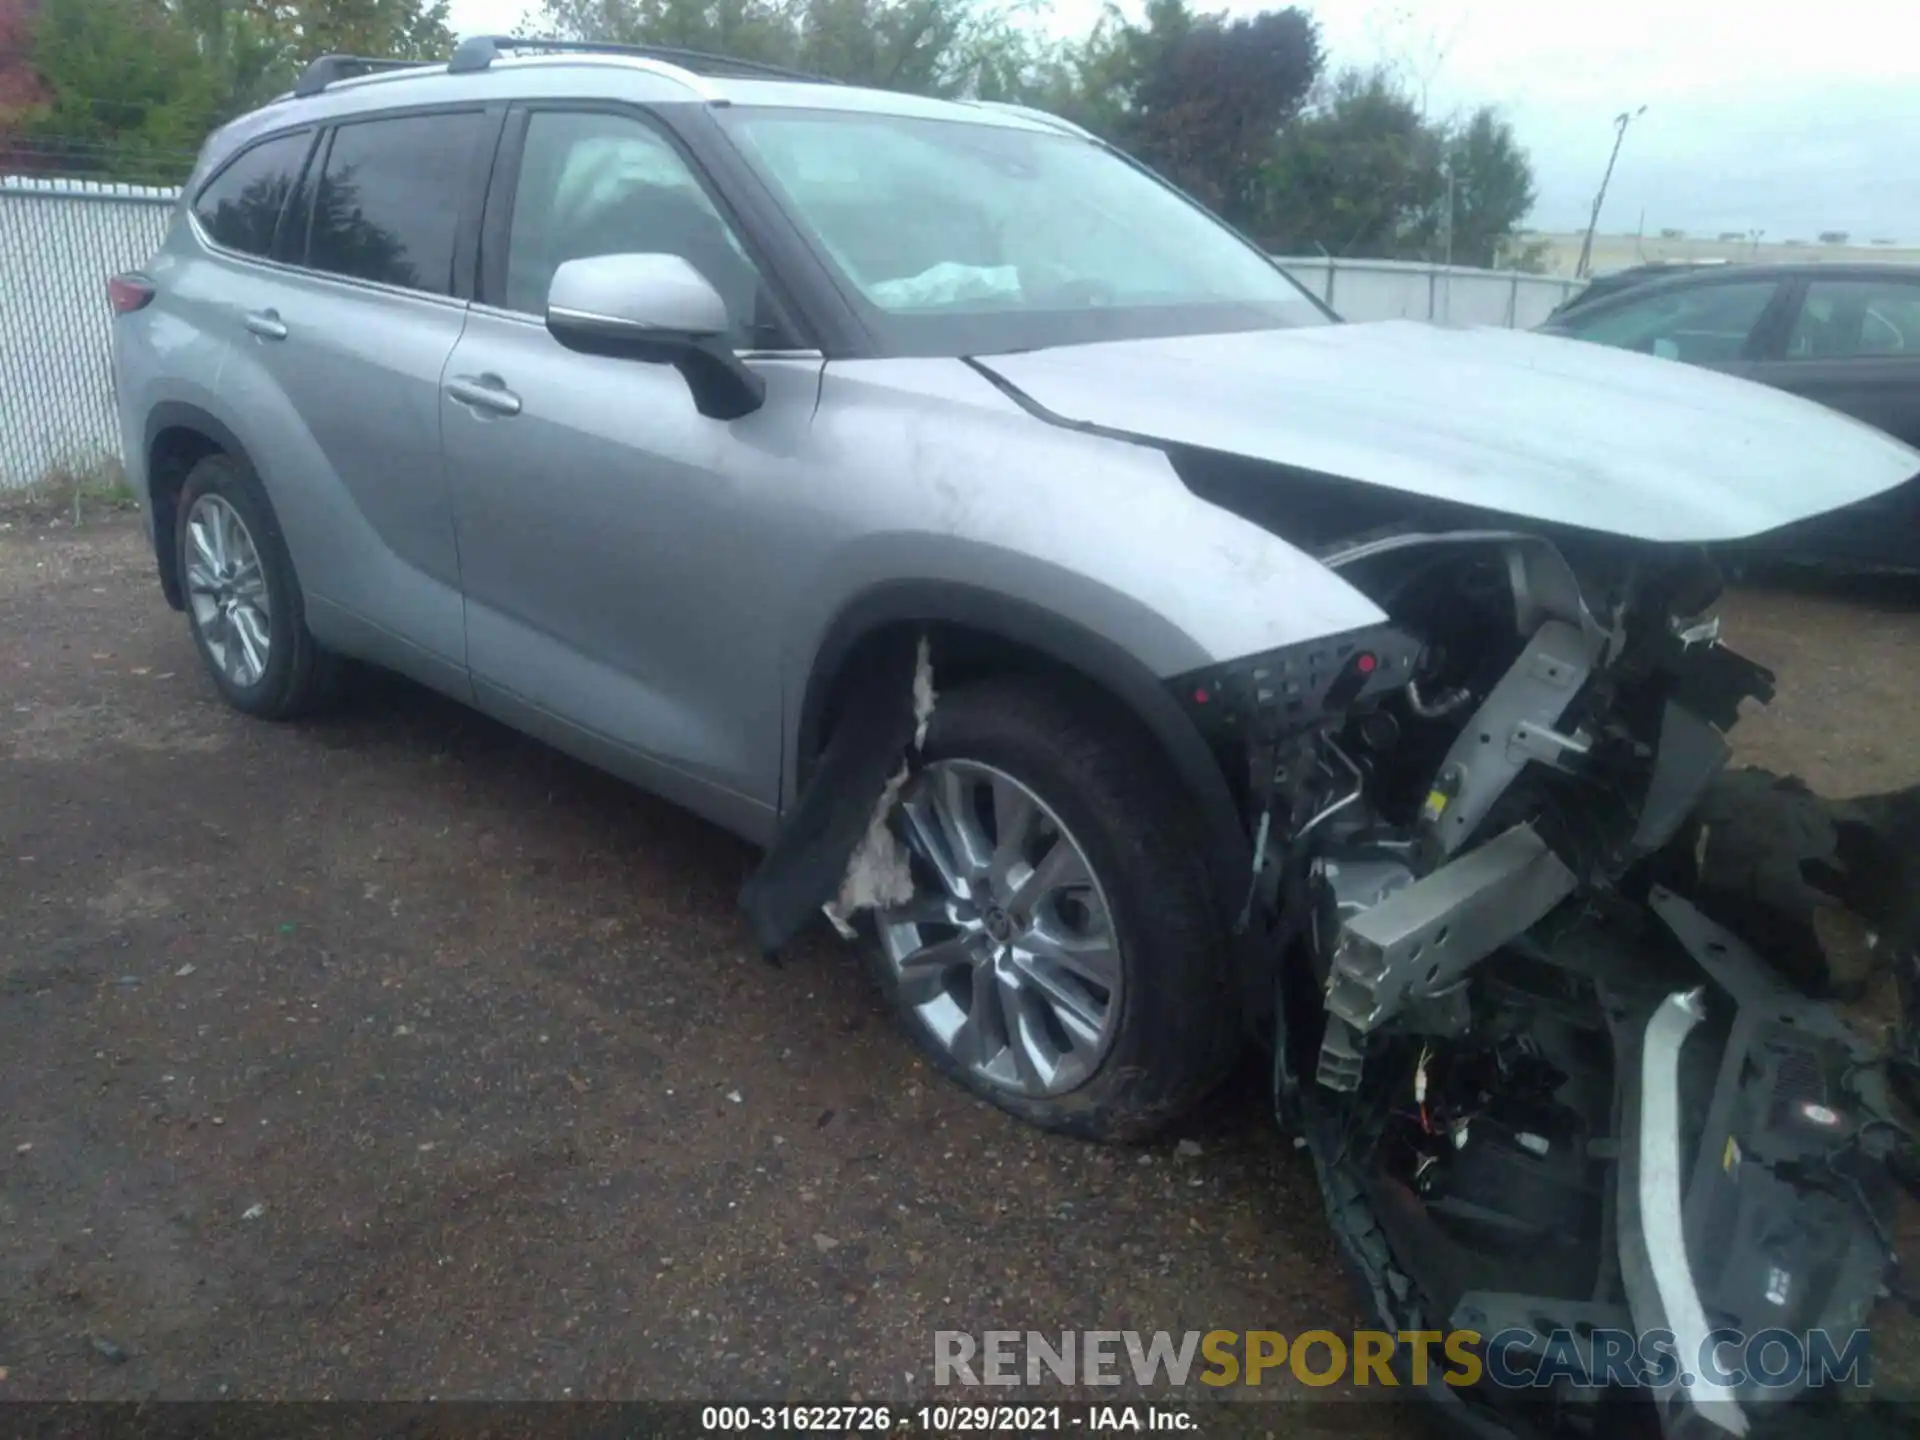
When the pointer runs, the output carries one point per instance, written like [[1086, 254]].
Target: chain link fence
[[59, 241]]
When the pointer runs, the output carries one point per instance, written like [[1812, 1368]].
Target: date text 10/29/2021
[[945, 1419]]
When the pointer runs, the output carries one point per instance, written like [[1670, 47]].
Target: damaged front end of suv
[[1450, 664], [1548, 1100]]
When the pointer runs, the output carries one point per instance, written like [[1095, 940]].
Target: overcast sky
[[1790, 119]]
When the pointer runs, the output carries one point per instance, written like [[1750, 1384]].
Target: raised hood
[[1551, 430]]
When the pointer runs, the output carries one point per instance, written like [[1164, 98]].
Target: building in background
[[1616, 252]]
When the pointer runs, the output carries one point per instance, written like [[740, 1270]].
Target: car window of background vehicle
[[593, 183], [241, 206], [1699, 324], [389, 201], [938, 217], [1845, 318]]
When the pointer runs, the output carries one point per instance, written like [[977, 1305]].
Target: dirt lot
[[393, 1055]]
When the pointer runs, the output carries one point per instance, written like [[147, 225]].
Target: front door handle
[[484, 392], [267, 324]]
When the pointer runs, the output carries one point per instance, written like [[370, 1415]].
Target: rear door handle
[[484, 392], [267, 324]]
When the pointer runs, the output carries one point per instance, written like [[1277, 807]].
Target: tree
[[1366, 173], [1200, 98], [1360, 175], [19, 87], [128, 89], [927, 47], [1492, 188], [125, 89]]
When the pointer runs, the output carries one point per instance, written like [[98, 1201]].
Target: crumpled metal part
[[879, 871], [837, 828]]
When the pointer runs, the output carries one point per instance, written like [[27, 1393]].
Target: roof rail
[[477, 52], [330, 68], [1038, 116]]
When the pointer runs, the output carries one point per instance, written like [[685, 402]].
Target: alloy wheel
[[227, 591], [1007, 952]]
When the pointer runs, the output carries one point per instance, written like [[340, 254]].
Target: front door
[[618, 563]]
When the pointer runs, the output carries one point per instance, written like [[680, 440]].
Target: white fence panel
[[1412, 290], [59, 241]]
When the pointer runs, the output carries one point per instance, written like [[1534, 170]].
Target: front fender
[[1084, 549]]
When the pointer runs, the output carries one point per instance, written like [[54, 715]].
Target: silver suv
[[927, 493]]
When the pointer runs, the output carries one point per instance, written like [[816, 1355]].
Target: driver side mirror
[[655, 308]]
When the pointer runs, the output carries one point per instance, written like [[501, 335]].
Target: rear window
[[389, 200], [240, 207]]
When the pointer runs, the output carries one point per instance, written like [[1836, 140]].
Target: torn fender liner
[[806, 864]]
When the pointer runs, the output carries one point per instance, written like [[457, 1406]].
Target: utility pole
[[1620, 123], [1755, 235]]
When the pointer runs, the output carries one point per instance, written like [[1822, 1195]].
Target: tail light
[[127, 293]]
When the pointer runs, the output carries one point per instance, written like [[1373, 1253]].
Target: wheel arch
[[977, 631], [178, 437]]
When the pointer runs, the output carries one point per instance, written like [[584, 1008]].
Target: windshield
[[960, 238]]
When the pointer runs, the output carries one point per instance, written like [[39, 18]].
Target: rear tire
[[1158, 1023], [243, 599]]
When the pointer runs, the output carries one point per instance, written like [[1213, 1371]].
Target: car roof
[[1696, 273], [1697, 276], [632, 77]]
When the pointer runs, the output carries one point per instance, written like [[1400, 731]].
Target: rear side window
[[1850, 319], [389, 200], [241, 206]]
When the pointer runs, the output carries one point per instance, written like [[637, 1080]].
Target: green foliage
[[1492, 187], [1236, 111], [128, 89], [122, 84], [1204, 99], [1366, 173], [930, 47], [1359, 175]]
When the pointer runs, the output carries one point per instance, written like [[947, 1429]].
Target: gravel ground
[[393, 1055]]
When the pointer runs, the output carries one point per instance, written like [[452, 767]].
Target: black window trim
[[497, 216], [313, 131], [466, 229]]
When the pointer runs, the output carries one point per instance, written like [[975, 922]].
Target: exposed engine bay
[[1545, 1095]]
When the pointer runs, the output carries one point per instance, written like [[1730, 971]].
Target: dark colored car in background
[[1614, 282], [1845, 335]]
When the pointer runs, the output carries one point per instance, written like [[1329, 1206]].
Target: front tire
[[1061, 956], [244, 602]]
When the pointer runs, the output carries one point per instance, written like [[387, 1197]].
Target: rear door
[[1853, 343], [339, 365]]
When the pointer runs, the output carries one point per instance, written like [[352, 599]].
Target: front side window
[[1002, 236], [596, 183], [1852, 319], [240, 208], [389, 200], [1699, 324]]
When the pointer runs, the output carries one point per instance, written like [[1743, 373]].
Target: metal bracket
[[1342, 1056], [1537, 742], [1513, 726], [1420, 939]]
